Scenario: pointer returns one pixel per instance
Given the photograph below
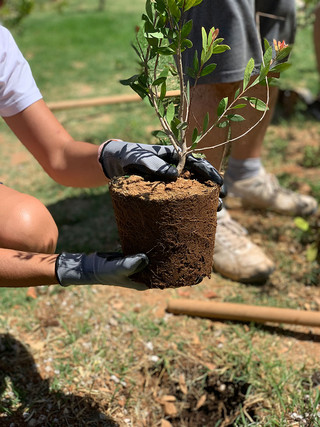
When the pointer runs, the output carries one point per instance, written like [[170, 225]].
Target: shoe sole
[[236, 202], [257, 279]]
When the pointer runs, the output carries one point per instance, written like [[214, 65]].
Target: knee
[[30, 227]]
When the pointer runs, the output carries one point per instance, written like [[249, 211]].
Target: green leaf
[[182, 126], [191, 3], [185, 31], [194, 145], [264, 70], [248, 72], [222, 106], [266, 44], [159, 134], [166, 50], [194, 135], [186, 43], [170, 112], [204, 39], [235, 117], [174, 9], [208, 69], [148, 26], [205, 123], [163, 90], [237, 93], [160, 6], [191, 73], [267, 57], [129, 81], [284, 53], [195, 63], [280, 67], [153, 42], [220, 48], [238, 106], [301, 223], [149, 10], [188, 92], [159, 81], [161, 108], [312, 252], [223, 124], [141, 91], [162, 77], [154, 35], [256, 103], [173, 70]]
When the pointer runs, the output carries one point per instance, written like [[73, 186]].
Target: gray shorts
[[237, 22]]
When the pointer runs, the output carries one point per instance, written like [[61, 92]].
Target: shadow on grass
[[30, 401], [282, 331], [86, 224]]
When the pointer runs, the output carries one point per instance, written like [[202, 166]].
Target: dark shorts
[[243, 24]]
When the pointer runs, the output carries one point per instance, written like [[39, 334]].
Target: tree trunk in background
[[102, 5]]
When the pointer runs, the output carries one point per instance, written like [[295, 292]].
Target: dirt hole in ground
[[195, 396]]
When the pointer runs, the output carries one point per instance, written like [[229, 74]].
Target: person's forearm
[[24, 269], [79, 166], [68, 162]]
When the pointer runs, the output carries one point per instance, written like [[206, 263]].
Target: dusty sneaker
[[235, 256], [263, 191]]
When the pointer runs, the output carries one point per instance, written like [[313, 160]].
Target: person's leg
[[236, 256], [26, 224]]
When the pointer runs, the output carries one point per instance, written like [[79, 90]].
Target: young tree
[[164, 36]]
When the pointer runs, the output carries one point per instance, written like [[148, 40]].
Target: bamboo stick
[[104, 100], [243, 312]]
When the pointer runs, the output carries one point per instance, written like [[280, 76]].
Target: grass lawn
[[99, 356]]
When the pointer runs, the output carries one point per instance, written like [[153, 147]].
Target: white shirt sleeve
[[18, 89]]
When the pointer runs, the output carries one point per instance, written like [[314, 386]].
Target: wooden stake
[[243, 312], [105, 100]]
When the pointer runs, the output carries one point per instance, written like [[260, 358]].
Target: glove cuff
[[70, 269], [101, 156]]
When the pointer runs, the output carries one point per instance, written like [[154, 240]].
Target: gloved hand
[[120, 158], [100, 268]]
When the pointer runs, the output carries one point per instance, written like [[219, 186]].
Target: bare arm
[[23, 269], [68, 162]]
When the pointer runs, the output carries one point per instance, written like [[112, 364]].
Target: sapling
[[160, 45]]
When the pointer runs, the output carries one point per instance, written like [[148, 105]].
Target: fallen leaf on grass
[[182, 384], [117, 305], [165, 423], [37, 345], [122, 401], [170, 409], [201, 401], [183, 293], [32, 293], [210, 295], [168, 398], [195, 340], [210, 366]]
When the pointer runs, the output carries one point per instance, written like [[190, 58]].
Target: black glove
[[100, 268], [120, 158]]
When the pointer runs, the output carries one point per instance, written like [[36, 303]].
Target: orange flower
[[279, 45]]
